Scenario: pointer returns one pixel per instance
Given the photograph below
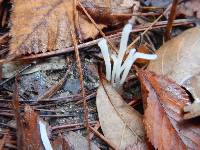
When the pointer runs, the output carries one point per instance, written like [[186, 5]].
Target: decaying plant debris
[[70, 77]]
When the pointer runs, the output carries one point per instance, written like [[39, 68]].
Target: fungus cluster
[[118, 73]]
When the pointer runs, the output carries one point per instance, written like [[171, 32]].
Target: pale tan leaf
[[121, 124], [163, 118], [179, 60]]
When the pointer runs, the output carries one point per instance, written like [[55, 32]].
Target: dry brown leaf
[[40, 26], [179, 60], [78, 142], [121, 124], [163, 103]]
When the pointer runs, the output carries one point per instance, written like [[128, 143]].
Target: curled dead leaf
[[121, 124], [163, 118]]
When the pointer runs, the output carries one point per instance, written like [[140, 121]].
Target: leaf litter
[[163, 103]]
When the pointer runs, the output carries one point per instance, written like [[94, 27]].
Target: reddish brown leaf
[[2, 141], [104, 14], [60, 143], [28, 132], [163, 103]]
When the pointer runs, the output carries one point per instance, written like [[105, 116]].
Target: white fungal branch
[[44, 136], [120, 70]]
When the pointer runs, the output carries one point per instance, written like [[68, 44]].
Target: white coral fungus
[[120, 70]]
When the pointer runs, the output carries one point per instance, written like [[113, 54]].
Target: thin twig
[[139, 28], [147, 29], [76, 21], [100, 31], [136, 14], [88, 97], [74, 41], [170, 20], [133, 102], [96, 127], [14, 75], [4, 36], [49, 93], [110, 144], [7, 114], [71, 125]]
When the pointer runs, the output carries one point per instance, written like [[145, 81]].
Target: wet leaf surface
[[179, 60], [163, 117]]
